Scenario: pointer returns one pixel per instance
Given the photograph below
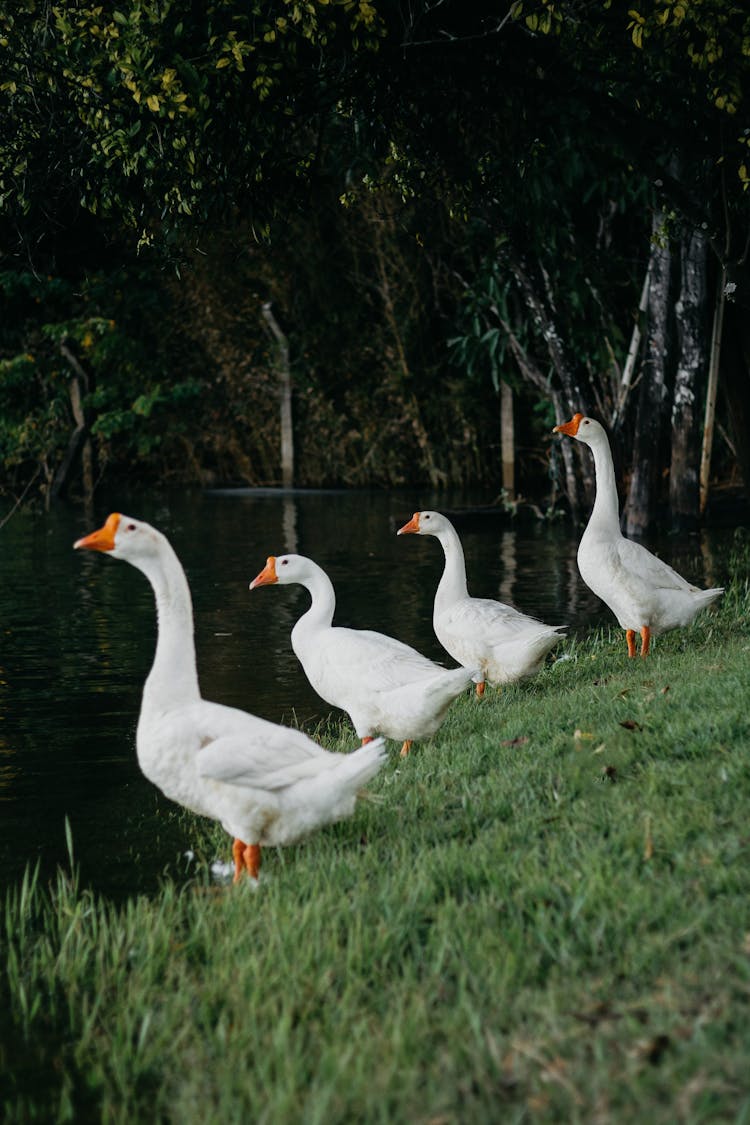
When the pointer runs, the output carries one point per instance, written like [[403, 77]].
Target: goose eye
[[427, 517], [284, 562], [586, 422], [130, 527]]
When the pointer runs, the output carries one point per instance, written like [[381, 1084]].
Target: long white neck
[[173, 678], [605, 515], [320, 614], [452, 585]]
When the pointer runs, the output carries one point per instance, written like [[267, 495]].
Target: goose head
[[284, 569], [424, 523], [124, 538], [584, 429]]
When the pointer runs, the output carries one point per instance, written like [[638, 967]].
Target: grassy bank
[[543, 915]]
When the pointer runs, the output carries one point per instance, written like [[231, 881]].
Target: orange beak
[[410, 528], [267, 574], [103, 539], [570, 428]]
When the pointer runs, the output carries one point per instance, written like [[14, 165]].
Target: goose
[[266, 784], [504, 644], [385, 686], [645, 595]]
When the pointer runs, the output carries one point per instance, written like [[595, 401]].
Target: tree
[[525, 155], [625, 110], [144, 125], [690, 378], [164, 111]]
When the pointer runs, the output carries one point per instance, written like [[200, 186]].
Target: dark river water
[[78, 634]]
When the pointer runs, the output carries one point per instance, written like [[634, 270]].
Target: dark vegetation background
[[437, 200]]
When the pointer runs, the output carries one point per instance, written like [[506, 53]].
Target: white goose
[[645, 594], [502, 643], [265, 783], [385, 686]]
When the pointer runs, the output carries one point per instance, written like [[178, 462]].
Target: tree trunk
[[411, 407], [79, 439], [735, 364], [690, 381], [537, 379], [507, 441], [717, 332], [642, 498], [570, 397], [630, 360], [285, 396]]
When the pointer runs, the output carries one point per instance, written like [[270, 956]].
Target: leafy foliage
[[162, 109], [689, 76], [507, 162], [128, 394]]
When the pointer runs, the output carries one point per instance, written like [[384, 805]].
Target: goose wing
[[244, 750], [489, 620], [360, 657], [238, 761], [639, 561]]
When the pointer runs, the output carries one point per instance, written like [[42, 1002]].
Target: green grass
[[543, 915]]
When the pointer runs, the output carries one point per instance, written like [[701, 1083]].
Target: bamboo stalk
[[79, 439], [507, 440], [533, 375], [285, 395], [713, 384], [635, 343]]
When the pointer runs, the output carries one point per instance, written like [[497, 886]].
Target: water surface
[[78, 633]]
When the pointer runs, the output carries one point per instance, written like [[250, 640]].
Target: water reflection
[[78, 632], [289, 521]]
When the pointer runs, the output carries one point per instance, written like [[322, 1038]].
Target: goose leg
[[238, 848], [406, 747], [251, 856], [645, 640], [480, 689], [366, 739], [246, 857], [630, 638]]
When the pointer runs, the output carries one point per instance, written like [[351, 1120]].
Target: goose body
[[644, 593], [385, 686], [266, 784], [504, 644]]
